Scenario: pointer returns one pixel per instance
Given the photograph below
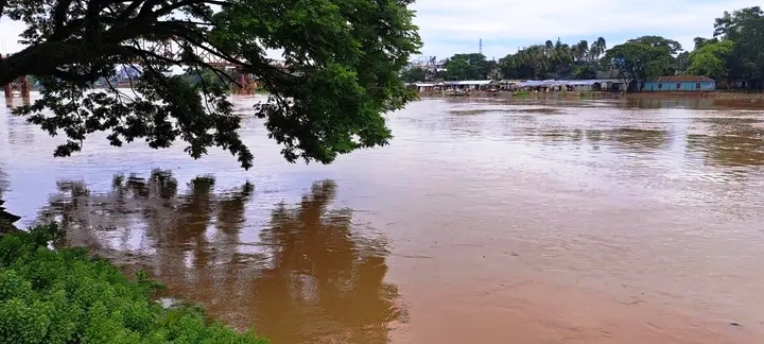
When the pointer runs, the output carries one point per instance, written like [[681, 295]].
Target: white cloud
[[9, 35], [455, 26]]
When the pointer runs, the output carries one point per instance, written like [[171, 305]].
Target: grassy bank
[[66, 296]]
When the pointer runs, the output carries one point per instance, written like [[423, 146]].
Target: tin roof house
[[680, 83]]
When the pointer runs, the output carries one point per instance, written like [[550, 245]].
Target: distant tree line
[[734, 55]]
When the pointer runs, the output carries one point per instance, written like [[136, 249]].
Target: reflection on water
[[326, 283], [16, 128], [313, 277], [5, 218], [4, 185], [730, 141], [631, 140], [11, 102], [696, 103]]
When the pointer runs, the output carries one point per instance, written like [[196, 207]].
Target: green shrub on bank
[[66, 296], [521, 93]]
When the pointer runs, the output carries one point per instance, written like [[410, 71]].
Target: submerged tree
[[340, 73]]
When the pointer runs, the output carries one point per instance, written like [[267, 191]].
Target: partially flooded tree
[[340, 73]]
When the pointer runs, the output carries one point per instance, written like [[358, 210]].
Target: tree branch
[[59, 15], [40, 59], [130, 10], [3, 3]]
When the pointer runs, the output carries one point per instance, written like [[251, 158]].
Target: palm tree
[[583, 47], [598, 48], [580, 50]]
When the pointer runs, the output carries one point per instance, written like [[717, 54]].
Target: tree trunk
[[632, 86]]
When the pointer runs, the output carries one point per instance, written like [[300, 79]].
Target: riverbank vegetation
[[67, 296], [731, 56]]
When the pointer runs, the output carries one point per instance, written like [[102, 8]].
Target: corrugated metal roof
[[543, 83], [583, 82], [473, 82], [527, 83], [531, 83], [683, 78]]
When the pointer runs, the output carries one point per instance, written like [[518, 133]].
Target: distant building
[[423, 87], [680, 83]]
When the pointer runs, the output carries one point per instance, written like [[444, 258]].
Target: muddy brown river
[[482, 222]]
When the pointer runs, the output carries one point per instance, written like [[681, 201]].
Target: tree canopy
[[711, 59], [554, 60], [414, 74], [468, 67], [744, 29], [340, 72], [643, 58]]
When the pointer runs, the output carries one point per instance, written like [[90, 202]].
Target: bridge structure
[[246, 83]]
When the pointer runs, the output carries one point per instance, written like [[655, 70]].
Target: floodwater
[[585, 222]]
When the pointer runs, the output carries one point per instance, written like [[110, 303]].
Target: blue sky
[[455, 26]]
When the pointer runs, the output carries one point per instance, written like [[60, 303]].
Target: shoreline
[[753, 97]]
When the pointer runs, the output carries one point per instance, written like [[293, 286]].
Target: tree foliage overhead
[[339, 76]]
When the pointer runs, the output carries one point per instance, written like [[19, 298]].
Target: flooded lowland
[[638, 221]]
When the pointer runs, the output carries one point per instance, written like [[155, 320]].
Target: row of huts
[[688, 83]]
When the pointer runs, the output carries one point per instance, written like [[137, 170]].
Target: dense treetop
[[340, 74]]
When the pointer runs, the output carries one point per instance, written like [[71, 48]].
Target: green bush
[[67, 296]]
